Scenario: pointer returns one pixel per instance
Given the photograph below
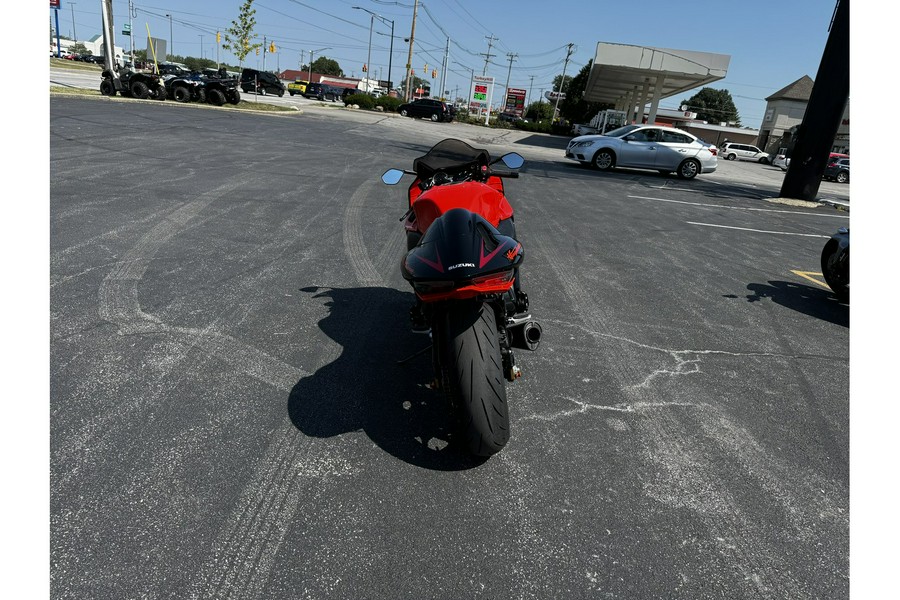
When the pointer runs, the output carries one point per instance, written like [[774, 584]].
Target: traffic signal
[[425, 70], [218, 38], [272, 47], [433, 73], [365, 68], [257, 50]]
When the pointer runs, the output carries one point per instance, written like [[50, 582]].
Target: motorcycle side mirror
[[513, 160], [392, 176]]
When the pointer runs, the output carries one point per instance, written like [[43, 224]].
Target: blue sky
[[771, 43]]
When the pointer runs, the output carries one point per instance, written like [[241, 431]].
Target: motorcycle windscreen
[[460, 256]]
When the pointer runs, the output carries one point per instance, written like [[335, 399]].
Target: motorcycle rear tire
[[476, 381]]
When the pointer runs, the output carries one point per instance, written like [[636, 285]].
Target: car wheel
[[688, 169], [140, 90], [764, 160], [107, 88], [159, 92], [181, 94], [291, 93], [280, 93], [603, 160], [842, 177], [403, 113], [731, 157], [435, 117], [234, 97], [216, 97]]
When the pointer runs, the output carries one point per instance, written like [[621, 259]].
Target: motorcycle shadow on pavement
[[365, 387], [813, 301]]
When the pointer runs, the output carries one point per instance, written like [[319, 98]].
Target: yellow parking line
[[808, 275]]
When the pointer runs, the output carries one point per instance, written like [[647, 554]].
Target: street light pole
[[311, 52], [74, 35], [201, 45], [391, 51]]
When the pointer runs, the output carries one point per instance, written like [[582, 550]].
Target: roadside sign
[[481, 95]]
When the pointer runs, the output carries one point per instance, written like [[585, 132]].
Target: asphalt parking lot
[[229, 418]]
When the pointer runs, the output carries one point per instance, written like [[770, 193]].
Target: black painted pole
[[822, 119]]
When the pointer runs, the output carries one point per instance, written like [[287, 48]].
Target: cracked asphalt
[[229, 419]]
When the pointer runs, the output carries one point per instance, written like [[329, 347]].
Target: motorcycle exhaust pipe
[[526, 336]]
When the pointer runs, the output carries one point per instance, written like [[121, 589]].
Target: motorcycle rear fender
[[462, 255]]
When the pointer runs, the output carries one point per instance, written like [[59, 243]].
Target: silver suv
[[733, 151]]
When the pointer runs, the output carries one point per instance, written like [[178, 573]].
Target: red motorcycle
[[463, 263]]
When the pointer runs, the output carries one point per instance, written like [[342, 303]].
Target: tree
[[80, 48], [574, 107], [324, 66], [238, 36], [715, 106], [416, 83], [558, 80], [538, 111]]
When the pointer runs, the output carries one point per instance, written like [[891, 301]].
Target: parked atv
[[134, 84], [200, 88]]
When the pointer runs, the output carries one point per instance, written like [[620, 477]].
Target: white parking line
[[793, 212], [758, 230]]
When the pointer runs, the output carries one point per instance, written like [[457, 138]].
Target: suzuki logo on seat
[[460, 265]]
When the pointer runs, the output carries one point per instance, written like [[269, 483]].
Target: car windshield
[[621, 131]]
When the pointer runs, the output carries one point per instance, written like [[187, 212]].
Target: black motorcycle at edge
[[836, 264]]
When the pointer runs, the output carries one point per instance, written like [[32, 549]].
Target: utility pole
[[511, 56], [201, 45], [530, 85], [171, 44], [444, 66], [412, 36], [74, 35], [265, 47], [823, 113], [488, 56], [132, 13], [562, 82]]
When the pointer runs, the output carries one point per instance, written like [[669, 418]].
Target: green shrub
[[388, 103], [363, 100]]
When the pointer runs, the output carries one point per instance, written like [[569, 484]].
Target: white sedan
[[664, 149]]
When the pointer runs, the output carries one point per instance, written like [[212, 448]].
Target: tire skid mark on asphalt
[[244, 553], [684, 480], [119, 305], [354, 243], [245, 549], [815, 498], [58, 255], [722, 518]]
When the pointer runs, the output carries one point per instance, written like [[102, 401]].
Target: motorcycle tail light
[[494, 283], [494, 279]]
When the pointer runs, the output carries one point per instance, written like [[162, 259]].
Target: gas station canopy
[[623, 74]]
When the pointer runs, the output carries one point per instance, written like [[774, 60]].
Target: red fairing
[[483, 199]]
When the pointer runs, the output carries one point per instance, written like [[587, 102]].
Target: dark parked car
[[838, 170], [261, 82], [322, 91], [426, 107]]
